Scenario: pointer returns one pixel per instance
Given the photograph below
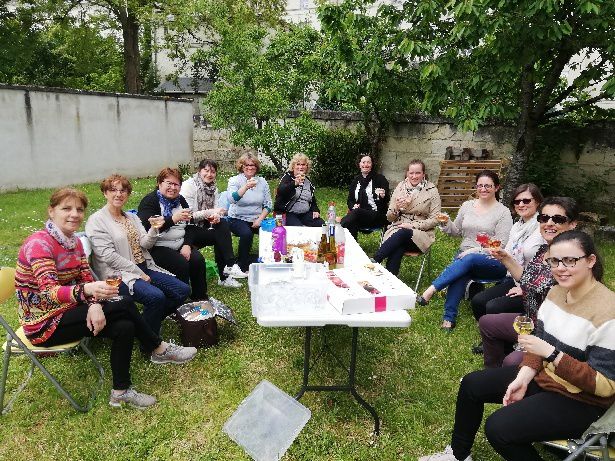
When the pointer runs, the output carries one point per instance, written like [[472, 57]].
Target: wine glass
[[442, 219], [483, 239], [156, 221], [523, 325], [211, 218], [114, 279]]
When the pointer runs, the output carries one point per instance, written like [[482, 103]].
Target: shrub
[[335, 163]]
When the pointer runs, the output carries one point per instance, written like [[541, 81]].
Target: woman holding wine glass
[[250, 202], [202, 195], [59, 301], [555, 215], [173, 250], [483, 214], [121, 245], [566, 380]]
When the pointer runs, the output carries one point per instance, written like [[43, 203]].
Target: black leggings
[[124, 322], [511, 430], [393, 249], [493, 300], [191, 271], [220, 238], [360, 218]]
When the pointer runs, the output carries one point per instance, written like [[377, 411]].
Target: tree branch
[[574, 107], [553, 76]]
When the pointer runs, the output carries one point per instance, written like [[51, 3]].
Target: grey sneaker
[[229, 282], [174, 354], [446, 455], [133, 398], [235, 272]]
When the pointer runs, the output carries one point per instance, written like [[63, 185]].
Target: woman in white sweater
[[482, 215], [120, 244]]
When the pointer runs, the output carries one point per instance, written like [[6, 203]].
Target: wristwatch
[[553, 356]]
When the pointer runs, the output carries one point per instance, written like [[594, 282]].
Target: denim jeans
[[457, 275], [160, 297], [393, 249], [245, 232]]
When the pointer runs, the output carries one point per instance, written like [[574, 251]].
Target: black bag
[[198, 324]]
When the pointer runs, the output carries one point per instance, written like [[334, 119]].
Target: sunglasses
[[525, 201], [567, 261], [556, 218]]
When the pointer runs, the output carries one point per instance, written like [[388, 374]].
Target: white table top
[[326, 314]]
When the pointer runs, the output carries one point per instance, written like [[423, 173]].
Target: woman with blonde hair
[[295, 195], [250, 202]]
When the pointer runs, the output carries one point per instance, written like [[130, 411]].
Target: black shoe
[[473, 288], [478, 349], [421, 301]]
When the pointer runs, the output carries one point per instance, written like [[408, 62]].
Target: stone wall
[[427, 138], [54, 137]]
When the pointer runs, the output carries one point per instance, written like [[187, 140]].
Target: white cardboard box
[[367, 288]]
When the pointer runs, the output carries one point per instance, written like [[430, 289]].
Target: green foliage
[[69, 53], [335, 163]]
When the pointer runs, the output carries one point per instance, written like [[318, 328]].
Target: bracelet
[[553, 356]]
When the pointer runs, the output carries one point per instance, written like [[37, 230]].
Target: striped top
[[48, 282], [585, 332]]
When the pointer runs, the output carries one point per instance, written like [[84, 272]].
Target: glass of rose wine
[[442, 219], [211, 218], [114, 279], [483, 239], [523, 325]]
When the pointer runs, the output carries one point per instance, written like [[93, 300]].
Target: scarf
[[363, 183], [68, 243], [205, 193], [518, 234], [410, 189], [168, 205]]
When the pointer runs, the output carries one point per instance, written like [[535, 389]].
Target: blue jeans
[[245, 232], [393, 249], [457, 275], [160, 297]]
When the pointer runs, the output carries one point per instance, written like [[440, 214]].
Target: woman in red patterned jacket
[[59, 301], [566, 380]]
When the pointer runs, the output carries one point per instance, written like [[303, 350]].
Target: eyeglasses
[[121, 191], [484, 186], [567, 261], [249, 165], [556, 218], [171, 184], [525, 201]]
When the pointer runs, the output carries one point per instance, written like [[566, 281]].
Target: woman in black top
[[368, 199]]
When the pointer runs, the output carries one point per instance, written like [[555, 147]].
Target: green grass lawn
[[409, 375]]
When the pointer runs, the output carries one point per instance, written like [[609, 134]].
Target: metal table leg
[[350, 387]]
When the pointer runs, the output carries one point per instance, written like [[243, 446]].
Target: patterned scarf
[[410, 189], [205, 193], [168, 205], [68, 243]]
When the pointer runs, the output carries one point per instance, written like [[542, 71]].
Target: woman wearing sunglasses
[[556, 215], [566, 380], [523, 242], [484, 214]]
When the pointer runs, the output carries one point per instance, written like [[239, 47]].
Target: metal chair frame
[[15, 346]]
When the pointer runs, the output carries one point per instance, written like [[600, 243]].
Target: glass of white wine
[[523, 325], [114, 279], [156, 221]]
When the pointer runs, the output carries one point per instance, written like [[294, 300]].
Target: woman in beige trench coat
[[412, 212]]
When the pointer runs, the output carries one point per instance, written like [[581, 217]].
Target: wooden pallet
[[456, 180]]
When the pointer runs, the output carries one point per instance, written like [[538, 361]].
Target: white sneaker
[[229, 283], [235, 272], [446, 455]]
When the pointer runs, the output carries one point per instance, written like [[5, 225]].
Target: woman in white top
[[484, 214], [523, 242]]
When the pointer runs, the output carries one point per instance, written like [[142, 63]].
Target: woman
[[173, 248], [567, 377], [202, 196], [484, 214], [250, 202], [523, 242], [60, 302], [412, 212], [120, 245], [556, 215], [295, 195], [368, 199]]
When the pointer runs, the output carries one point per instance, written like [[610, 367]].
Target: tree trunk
[[130, 33]]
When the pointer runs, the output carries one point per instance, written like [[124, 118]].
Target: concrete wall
[[51, 138]]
